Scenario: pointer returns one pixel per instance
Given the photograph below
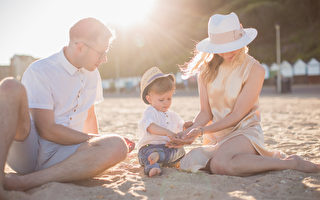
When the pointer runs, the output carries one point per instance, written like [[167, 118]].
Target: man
[[60, 142]]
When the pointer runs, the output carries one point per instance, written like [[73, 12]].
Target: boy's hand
[[187, 125], [173, 145], [177, 143], [171, 135], [180, 135]]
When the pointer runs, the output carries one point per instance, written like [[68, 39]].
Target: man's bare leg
[[90, 159], [15, 121]]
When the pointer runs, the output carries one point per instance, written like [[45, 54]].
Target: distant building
[[286, 69], [313, 67], [300, 72], [19, 64], [5, 71], [300, 68]]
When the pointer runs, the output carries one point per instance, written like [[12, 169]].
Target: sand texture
[[291, 123]]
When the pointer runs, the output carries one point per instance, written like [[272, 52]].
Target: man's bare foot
[[154, 171], [13, 182], [304, 165], [153, 158]]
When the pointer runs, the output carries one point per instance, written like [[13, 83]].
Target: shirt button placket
[[167, 120]]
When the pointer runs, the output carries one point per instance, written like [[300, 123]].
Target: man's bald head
[[90, 30]]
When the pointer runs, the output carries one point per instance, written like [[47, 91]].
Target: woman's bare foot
[[153, 158], [304, 165], [154, 171], [13, 182], [279, 154]]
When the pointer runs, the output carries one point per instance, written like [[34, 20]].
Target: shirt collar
[[71, 69], [165, 113]]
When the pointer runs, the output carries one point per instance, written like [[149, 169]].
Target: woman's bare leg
[[238, 157]]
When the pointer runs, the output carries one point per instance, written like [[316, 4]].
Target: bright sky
[[40, 27]]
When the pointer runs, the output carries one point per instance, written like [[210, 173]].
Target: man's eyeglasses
[[101, 54]]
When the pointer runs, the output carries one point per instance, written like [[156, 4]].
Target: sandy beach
[[291, 123]]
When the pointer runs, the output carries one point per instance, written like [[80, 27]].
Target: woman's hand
[[187, 125], [194, 133]]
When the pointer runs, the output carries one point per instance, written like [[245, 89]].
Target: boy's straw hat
[[226, 34], [148, 77]]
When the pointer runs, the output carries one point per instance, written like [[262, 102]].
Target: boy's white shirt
[[169, 120]]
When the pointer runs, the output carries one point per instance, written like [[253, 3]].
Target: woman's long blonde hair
[[207, 64]]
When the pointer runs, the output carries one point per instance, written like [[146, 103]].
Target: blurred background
[[160, 33], [175, 26]]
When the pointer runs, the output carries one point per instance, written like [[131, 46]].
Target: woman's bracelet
[[201, 131]]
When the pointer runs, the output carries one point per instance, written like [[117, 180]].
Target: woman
[[229, 84]]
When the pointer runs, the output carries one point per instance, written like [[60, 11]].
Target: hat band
[[226, 37], [154, 77]]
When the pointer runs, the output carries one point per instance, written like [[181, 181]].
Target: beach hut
[[286, 69], [178, 78], [273, 70], [313, 67], [134, 83], [120, 83], [300, 72], [129, 84], [299, 68], [266, 68], [106, 84], [313, 71]]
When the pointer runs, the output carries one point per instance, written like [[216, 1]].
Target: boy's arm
[[158, 130]]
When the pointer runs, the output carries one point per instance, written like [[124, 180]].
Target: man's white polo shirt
[[55, 84]]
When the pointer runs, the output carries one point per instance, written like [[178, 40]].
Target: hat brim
[[145, 90], [207, 46]]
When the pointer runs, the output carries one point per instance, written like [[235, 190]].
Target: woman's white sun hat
[[226, 34]]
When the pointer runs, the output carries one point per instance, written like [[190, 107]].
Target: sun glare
[[129, 12]]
